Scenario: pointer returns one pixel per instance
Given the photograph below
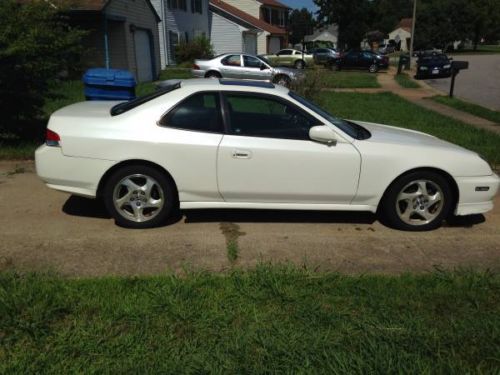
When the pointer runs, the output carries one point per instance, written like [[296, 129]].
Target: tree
[[351, 16], [483, 17], [36, 44], [301, 23]]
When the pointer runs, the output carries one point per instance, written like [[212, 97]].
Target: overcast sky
[[301, 4]]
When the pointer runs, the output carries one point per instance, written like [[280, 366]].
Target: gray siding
[[225, 35], [183, 23], [138, 13]]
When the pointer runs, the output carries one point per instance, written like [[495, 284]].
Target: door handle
[[242, 154]]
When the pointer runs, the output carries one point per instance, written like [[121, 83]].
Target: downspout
[[106, 43]]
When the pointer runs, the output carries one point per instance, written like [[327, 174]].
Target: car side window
[[251, 62], [232, 60], [199, 112], [264, 116], [284, 52]]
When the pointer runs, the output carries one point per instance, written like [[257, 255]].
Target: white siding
[[262, 43], [251, 7], [225, 35]]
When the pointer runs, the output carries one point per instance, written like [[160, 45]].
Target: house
[[122, 34], [232, 30], [324, 34], [183, 20], [274, 17], [402, 34]]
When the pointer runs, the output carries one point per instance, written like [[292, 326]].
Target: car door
[[256, 69], [266, 155], [367, 59], [232, 67], [285, 57], [351, 59], [187, 141]]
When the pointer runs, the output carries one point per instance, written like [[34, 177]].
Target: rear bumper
[[474, 198], [79, 176], [198, 73]]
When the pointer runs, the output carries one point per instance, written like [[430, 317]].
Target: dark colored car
[[362, 60], [433, 66], [325, 56]]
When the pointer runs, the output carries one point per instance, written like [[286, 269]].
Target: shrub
[[198, 48], [36, 45]]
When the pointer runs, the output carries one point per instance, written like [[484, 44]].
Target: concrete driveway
[[43, 229], [479, 84]]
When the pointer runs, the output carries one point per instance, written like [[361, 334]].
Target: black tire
[[299, 64], [163, 190], [213, 74], [373, 68], [333, 66], [282, 80], [392, 206]]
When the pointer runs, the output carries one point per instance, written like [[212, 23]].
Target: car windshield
[[127, 106], [354, 130]]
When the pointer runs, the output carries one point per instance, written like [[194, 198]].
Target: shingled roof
[[273, 3], [247, 17], [405, 24]]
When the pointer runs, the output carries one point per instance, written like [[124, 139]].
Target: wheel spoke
[[407, 196], [130, 185], [426, 214], [148, 187], [138, 214], [126, 198], [434, 198], [422, 187]]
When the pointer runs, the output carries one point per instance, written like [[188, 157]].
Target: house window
[[196, 6], [173, 40], [282, 19], [266, 14], [177, 4]]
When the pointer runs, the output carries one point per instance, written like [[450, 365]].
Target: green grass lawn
[[391, 109], [481, 49], [405, 81], [471, 108], [268, 320], [348, 79]]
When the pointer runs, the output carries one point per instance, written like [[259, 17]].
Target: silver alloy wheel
[[138, 198], [419, 202], [282, 81]]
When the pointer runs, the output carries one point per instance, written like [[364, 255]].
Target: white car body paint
[[264, 172]]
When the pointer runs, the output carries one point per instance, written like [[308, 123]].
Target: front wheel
[[282, 80], [373, 68], [139, 197], [418, 201]]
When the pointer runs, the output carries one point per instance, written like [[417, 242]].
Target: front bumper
[[427, 74], [476, 194]]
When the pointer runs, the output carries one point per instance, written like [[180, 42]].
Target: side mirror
[[323, 134], [263, 67]]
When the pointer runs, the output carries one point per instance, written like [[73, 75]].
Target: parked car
[[207, 143], [325, 56], [244, 66], [356, 59], [290, 57], [433, 66], [427, 51], [385, 49]]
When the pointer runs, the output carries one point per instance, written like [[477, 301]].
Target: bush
[[36, 45], [198, 48], [310, 87]]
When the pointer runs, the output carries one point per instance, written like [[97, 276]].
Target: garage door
[[274, 44], [143, 56], [250, 43]]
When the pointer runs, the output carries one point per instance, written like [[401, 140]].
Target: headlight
[[424, 68], [447, 66]]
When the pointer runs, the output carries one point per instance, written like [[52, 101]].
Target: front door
[[256, 69], [267, 156]]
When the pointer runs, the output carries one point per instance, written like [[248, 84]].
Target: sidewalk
[[422, 97]]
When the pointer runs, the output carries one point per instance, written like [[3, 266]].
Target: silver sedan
[[244, 66]]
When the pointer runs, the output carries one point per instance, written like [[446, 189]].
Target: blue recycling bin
[[109, 84]]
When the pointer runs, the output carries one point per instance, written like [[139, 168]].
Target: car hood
[[393, 135]]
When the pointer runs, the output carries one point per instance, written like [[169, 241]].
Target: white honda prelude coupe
[[205, 143]]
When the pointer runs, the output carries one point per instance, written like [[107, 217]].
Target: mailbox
[[459, 65]]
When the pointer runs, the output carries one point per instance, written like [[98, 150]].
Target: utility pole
[[413, 22]]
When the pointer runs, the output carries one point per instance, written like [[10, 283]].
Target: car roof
[[233, 84]]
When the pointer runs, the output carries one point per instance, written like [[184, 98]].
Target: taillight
[[196, 67], [52, 138]]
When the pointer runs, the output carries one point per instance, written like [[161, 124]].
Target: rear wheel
[[139, 197], [417, 201], [213, 75], [299, 64], [373, 68]]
